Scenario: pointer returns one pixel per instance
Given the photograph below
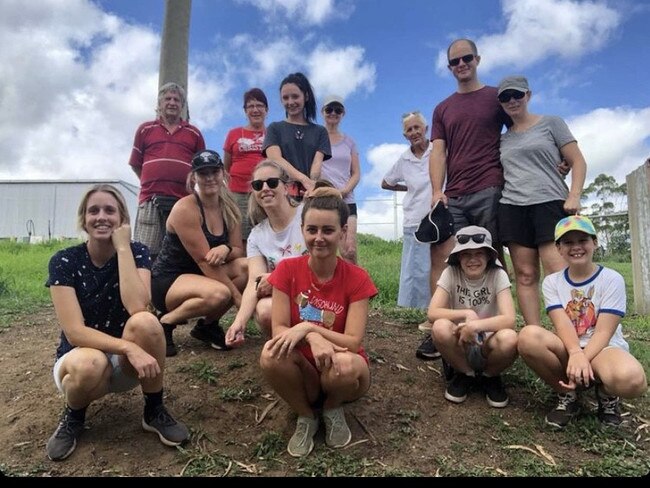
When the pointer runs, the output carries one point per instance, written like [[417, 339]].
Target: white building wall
[[48, 208]]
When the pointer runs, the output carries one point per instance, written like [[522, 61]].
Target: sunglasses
[[505, 96], [464, 238], [336, 110], [468, 58], [270, 182]]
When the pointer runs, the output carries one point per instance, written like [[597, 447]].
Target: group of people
[[472, 188], [270, 229], [214, 233]]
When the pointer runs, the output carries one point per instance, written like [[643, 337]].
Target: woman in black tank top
[[201, 269]]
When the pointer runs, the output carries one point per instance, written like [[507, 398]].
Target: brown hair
[[102, 187], [255, 94], [326, 197]]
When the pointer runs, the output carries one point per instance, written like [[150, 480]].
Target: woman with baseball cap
[[534, 195], [342, 170], [201, 269], [585, 302]]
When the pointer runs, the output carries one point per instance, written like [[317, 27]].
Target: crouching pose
[[585, 302], [109, 342], [473, 318], [315, 357]]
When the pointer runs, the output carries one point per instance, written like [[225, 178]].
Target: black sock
[[151, 401], [79, 414]]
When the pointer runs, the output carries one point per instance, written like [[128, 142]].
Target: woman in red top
[[242, 150], [319, 312]]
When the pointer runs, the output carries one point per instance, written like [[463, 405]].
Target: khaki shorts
[[242, 203]]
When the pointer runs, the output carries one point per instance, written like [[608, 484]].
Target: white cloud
[[539, 29], [380, 213], [614, 141], [341, 71], [309, 12], [381, 158], [76, 84]]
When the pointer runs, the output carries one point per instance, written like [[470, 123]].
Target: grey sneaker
[[302, 440], [567, 408], [170, 432], [337, 432], [64, 440], [609, 410]]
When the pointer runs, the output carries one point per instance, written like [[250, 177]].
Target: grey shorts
[[119, 380], [148, 227], [480, 208], [242, 203]]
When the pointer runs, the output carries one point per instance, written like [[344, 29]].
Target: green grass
[[23, 272]]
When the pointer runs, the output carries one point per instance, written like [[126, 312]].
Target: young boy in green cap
[[585, 303]]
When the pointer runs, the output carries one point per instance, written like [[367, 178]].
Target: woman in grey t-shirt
[[535, 195]]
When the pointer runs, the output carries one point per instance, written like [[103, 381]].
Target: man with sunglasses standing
[[465, 135]]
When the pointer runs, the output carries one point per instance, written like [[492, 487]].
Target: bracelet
[[228, 246]]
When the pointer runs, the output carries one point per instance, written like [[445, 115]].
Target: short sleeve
[[62, 269]]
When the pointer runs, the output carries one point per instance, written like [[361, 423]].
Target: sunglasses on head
[[505, 96], [270, 182], [336, 110], [464, 238], [468, 58]]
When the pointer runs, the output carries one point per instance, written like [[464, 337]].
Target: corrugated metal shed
[[48, 208]]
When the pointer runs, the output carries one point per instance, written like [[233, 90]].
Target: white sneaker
[[302, 440], [337, 432]]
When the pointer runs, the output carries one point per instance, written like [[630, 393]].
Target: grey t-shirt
[[530, 160], [298, 143]]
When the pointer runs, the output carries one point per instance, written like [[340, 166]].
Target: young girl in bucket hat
[[585, 303], [473, 317]]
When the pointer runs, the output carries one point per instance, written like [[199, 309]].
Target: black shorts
[[352, 207], [529, 225], [160, 285]]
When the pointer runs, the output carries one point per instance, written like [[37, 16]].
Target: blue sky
[[77, 77]]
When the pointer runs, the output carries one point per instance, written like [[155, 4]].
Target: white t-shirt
[[583, 302], [478, 295], [275, 246], [414, 173]]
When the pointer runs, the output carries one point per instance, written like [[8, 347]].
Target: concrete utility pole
[[174, 46]]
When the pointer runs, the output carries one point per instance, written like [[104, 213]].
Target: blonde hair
[[229, 208], [256, 212], [105, 188]]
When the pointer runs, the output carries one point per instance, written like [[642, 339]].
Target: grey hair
[[417, 114], [174, 87]]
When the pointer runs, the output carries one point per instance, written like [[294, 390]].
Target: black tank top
[[174, 259]]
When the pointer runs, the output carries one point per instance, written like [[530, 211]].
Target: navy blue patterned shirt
[[97, 289]]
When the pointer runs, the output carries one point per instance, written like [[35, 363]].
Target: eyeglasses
[[505, 96], [336, 110], [270, 182], [468, 58], [464, 238], [255, 106]]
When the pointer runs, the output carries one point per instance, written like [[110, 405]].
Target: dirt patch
[[403, 426]]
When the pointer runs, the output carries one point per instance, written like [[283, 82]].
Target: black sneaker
[[458, 388], [609, 409], [495, 393], [169, 340], [64, 440], [170, 432], [448, 370], [427, 349], [211, 334], [567, 408]]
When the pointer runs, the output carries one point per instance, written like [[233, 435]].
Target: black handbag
[[164, 206]]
